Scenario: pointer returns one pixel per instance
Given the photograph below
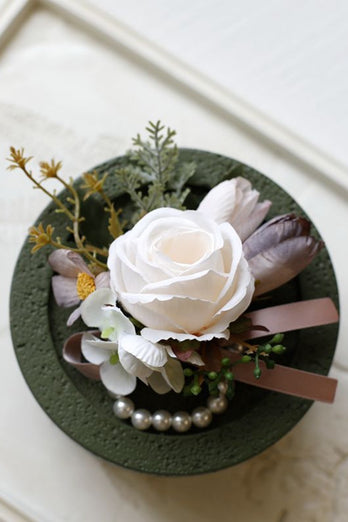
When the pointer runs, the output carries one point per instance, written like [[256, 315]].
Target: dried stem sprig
[[94, 184], [152, 163], [39, 235], [42, 237]]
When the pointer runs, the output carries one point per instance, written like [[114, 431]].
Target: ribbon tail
[[72, 354], [292, 316], [290, 381]]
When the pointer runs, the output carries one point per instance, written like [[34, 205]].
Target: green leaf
[[153, 163], [181, 176]]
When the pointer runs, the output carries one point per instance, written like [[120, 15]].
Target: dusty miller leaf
[[181, 176]]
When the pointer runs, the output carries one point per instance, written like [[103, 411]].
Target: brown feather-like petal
[[279, 264], [274, 232]]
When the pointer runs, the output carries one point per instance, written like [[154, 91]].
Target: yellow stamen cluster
[[85, 285]]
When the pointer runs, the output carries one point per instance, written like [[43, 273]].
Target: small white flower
[[112, 374], [75, 280], [125, 355]]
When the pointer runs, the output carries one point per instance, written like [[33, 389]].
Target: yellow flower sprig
[[93, 184], [41, 236]]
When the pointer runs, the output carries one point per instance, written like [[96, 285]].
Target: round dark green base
[[83, 409]]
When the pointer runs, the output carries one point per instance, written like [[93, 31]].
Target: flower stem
[[90, 252], [57, 201]]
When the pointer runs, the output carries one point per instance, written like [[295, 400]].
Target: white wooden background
[[288, 58], [262, 82]]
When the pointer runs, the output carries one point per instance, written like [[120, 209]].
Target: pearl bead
[[141, 419], [223, 387], [217, 405], [181, 421], [123, 408], [201, 417], [161, 420]]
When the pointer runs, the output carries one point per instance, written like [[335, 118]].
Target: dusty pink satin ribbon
[[291, 381], [72, 355], [283, 379], [293, 316]]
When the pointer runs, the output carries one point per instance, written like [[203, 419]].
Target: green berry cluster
[[264, 352], [197, 378]]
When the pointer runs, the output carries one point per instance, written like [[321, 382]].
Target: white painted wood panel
[[288, 59]]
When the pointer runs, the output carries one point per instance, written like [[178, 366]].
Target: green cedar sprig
[[153, 178]]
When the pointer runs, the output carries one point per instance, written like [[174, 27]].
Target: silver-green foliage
[[153, 178]]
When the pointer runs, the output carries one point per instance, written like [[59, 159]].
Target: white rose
[[181, 274], [235, 201]]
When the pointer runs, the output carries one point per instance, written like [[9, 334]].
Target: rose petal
[[241, 296], [233, 257], [64, 291], [202, 285], [146, 315], [190, 315], [156, 335], [116, 379], [127, 275], [154, 264]]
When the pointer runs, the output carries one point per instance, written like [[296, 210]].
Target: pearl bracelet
[[180, 421]]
